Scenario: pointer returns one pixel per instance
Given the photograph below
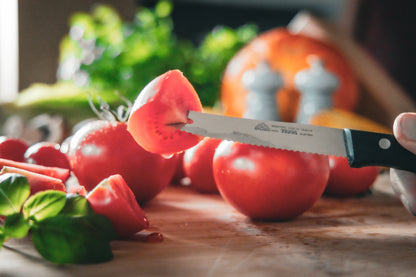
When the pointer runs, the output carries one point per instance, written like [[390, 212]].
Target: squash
[[286, 53]]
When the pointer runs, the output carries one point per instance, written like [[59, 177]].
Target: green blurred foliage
[[125, 56]]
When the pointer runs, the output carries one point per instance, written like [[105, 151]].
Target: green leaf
[[14, 190], [44, 204], [2, 236], [76, 205], [163, 8], [74, 240], [16, 226]]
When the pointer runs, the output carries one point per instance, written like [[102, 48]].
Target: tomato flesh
[[269, 184], [164, 101], [114, 199]]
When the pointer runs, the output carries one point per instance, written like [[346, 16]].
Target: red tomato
[[165, 100], [12, 148], [47, 154], [197, 164], [345, 181], [103, 148], [266, 183], [55, 172], [37, 182], [179, 172], [114, 199]]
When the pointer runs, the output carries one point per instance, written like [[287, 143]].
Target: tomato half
[[115, 200], [165, 100], [345, 181], [269, 184]]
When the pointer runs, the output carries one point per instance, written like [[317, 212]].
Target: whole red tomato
[[266, 183], [47, 154], [345, 181], [103, 148], [197, 164], [179, 174]]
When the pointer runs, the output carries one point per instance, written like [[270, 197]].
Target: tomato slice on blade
[[165, 100], [114, 199]]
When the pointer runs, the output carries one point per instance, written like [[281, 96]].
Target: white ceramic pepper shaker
[[262, 84], [316, 86]]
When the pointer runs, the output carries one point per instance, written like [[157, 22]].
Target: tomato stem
[[105, 112]]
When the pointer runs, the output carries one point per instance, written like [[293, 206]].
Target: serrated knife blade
[[362, 148]]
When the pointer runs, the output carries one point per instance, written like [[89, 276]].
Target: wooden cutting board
[[371, 235]]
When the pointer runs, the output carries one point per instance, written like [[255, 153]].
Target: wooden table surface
[[203, 236]]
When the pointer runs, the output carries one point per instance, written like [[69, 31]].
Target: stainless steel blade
[[282, 135]]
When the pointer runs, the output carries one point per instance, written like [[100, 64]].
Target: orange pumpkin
[[286, 53]]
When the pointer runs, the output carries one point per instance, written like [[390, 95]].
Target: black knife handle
[[369, 148]]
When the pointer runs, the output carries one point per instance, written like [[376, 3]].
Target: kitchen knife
[[362, 148]]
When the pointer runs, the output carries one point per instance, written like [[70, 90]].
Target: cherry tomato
[[47, 154], [165, 100], [103, 148], [114, 199], [197, 164], [37, 182], [12, 148], [345, 181], [266, 183], [56, 172]]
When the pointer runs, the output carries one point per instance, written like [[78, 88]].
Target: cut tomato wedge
[[164, 101], [113, 198]]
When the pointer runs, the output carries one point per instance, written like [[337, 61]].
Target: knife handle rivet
[[384, 143]]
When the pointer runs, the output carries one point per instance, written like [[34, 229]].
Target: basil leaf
[[14, 190], [16, 226], [76, 205], [44, 204], [74, 240]]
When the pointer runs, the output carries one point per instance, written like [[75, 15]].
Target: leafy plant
[[64, 228], [104, 53]]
